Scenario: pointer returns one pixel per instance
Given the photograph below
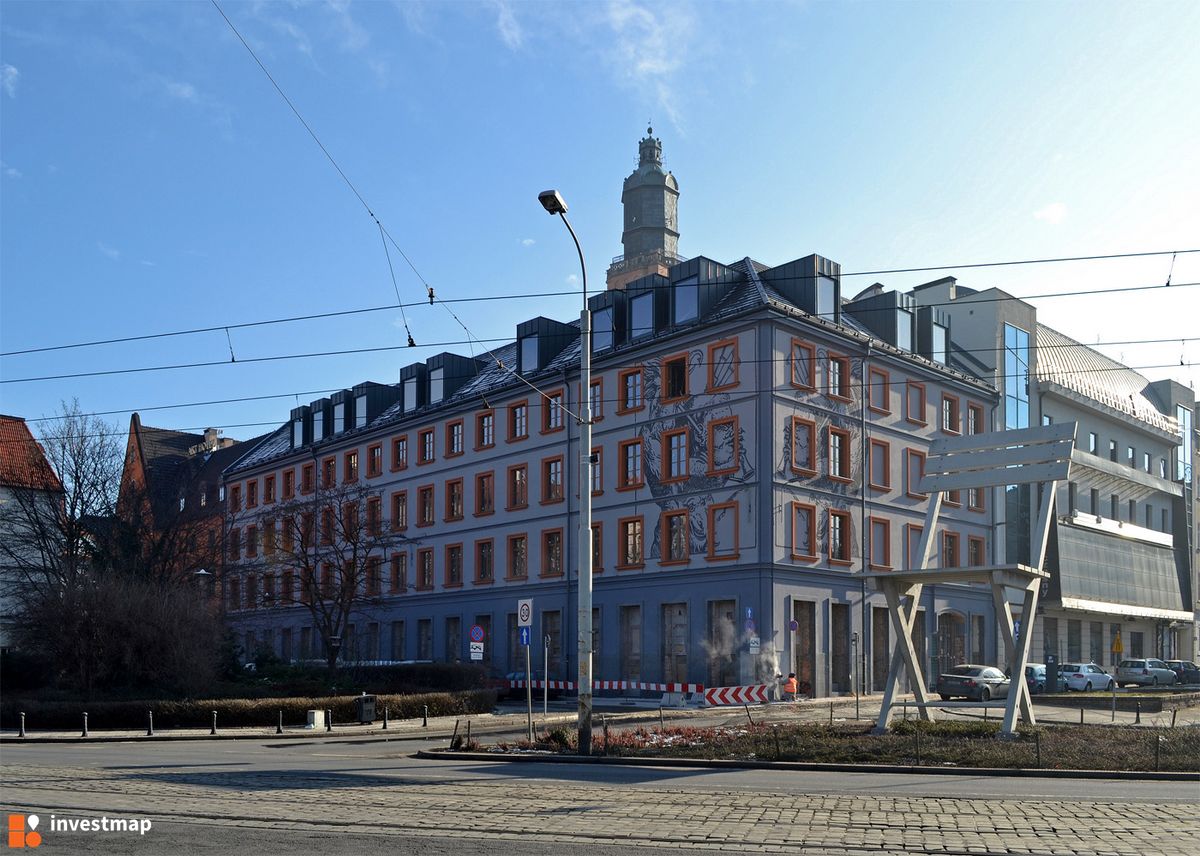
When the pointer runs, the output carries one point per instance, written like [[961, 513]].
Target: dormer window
[[410, 395], [360, 412], [941, 340], [641, 315], [602, 329], [339, 417], [529, 354], [826, 298], [687, 301], [436, 385], [904, 330], [318, 425], [297, 433]]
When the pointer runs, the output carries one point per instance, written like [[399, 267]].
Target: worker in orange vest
[[790, 687]]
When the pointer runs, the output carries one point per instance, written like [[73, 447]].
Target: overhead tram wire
[[316, 316], [383, 348], [608, 400], [383, 231], [852, 385]]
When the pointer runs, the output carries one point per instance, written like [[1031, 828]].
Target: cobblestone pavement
[[577, 813]]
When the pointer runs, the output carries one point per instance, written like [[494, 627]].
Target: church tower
[[651, 199]]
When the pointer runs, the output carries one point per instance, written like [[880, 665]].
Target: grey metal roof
[[498, 374], [1074, 366]]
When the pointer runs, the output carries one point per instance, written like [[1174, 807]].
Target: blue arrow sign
[[524, 635]]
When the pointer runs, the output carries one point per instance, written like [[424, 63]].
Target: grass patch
[[930, 744]]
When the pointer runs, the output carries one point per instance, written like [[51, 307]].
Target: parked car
[[1185, 671], [1145, 673], [978, 683], [1084, 677], [1035, 676]]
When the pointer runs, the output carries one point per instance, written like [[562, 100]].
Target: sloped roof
[[23, 461], [499, 365], [1074, 366]]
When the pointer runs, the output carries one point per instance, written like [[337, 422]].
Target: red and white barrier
[[614, 685], [753, 694], [538, 685], [642, 685]]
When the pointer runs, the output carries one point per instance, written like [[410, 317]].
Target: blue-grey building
[[759, 436]]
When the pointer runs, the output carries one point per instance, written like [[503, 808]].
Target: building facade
[[1122, 548], [758, 441]]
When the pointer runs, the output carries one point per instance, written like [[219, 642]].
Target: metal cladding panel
[[1096, 566]]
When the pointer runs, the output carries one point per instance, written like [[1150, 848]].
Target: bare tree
[[89, 591], [324, 551]]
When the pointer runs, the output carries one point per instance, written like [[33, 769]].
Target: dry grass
[[934, 744]]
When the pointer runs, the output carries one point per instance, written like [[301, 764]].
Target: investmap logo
[[23, 828]]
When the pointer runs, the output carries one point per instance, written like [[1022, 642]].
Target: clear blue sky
[[153, 180]]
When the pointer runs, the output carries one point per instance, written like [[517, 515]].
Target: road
[[287, 796]]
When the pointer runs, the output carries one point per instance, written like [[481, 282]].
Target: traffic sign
[[524, 633], [476, 650], [477, 634], [793, 625], [755, 644], [525, 613]]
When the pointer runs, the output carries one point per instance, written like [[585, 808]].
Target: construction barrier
[[754, 694], [614, 685]]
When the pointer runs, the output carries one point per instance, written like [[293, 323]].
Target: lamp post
[[553, 202]]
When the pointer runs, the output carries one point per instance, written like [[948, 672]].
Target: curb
[[703, 763]]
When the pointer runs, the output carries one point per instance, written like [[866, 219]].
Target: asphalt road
[[364, 797]]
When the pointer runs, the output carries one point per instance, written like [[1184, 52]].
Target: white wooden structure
[[1040, 456]]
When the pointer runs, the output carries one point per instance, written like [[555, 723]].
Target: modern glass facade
[[1017, 498]]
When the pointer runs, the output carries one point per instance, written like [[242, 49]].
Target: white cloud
[[148, 263], [650, 46], [506, 23], [11, 171], [572, 280], [111, 252], [1053, 213], [182, 91], [8, 78], [527, 242]]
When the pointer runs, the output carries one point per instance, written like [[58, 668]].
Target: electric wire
[[725, 393], [528, 295]]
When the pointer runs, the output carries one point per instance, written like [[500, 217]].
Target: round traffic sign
[[477, 633], [525, 612]]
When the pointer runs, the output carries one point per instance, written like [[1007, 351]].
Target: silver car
[[1085, 677], [1145, 673], [978, 683]]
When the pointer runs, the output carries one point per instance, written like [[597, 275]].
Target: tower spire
[[650, 198]]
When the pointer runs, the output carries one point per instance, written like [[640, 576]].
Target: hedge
[[197, 713]]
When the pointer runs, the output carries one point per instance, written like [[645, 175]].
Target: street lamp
[[553, 202]]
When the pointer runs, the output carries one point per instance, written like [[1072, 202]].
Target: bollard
[[1138, 711], [606, 732], [279, 727], [329, 719], [213, 730], [149, 723], [454, 736], [385, 717], [424, 716], [21, 733], [906, 711], [985, 713], [467, 745], [85, 728], [1081, 716], [917, 735]]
